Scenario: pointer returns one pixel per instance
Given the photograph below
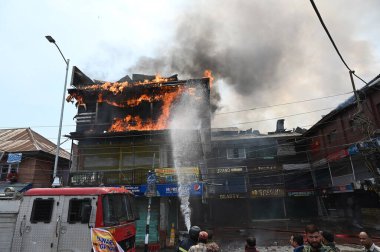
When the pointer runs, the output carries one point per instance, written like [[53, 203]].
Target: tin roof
[[27, 140]]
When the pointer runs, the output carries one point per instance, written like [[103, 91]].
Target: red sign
[[337, 155]]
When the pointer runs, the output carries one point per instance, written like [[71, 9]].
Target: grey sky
[[262, 53]]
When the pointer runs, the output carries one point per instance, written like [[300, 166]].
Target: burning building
[[125, 128]]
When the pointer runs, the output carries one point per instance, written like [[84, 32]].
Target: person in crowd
[[250, 245], [186, 243], [314, 240], [328, 240], [296, 241], [366, 241], [201, 246], [211, 245], [12, 176]]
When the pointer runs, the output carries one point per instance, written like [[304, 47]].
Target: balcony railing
[[106, 178]]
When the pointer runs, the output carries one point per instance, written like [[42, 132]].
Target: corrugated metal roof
[[25, 139]]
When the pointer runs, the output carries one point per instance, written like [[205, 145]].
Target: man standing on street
[[328, 240], [314, 240], [366, 241], [201, 246], [296, 241]]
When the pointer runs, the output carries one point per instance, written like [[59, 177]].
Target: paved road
[[274, 235]]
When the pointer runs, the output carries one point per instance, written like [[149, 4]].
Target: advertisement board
[[166, 190]]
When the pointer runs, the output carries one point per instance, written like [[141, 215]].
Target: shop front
[[164, 211]]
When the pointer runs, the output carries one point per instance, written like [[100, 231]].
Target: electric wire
[[332, 40], [283, 104]]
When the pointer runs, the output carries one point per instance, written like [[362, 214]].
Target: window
[[354, 125], [236, 153], [117, 209], [4, 171], [76, 207], [42, 210], [262, 151], [332, 136]]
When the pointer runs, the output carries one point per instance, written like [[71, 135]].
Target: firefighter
[[186, 243]]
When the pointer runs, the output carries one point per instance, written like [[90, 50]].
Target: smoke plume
[[265, 50]]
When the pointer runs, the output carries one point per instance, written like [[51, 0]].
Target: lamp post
[[56, 180]]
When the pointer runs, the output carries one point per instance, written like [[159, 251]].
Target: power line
[[282, 104], [282, 116], [332, 41]]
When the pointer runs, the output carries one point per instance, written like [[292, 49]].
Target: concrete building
[[253, 176], [345, 157], [123, 133]]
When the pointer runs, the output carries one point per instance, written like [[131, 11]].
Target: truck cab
[[59, 219]]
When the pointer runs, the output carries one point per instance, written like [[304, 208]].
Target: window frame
[[236, 148], [34, 211]]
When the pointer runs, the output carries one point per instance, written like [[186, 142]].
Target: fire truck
[[59, 219]]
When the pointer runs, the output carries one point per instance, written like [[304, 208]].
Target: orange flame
[[136, 123], [208, 74], [167, 95]]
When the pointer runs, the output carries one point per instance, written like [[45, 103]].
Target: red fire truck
[[59, 219]]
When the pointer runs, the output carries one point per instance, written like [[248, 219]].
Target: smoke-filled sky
[[262, 53]]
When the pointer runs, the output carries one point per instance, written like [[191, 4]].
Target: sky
[[261, 53]]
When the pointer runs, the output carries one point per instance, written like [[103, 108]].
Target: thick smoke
[[264, 49]]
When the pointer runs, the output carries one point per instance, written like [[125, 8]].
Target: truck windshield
[[117, 209]]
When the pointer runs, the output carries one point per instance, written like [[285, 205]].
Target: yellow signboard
[[169, 175], [172, 171]]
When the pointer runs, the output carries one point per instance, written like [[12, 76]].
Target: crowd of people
[[316, 240], [313, 240]]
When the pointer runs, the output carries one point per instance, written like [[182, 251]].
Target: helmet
[[194, 232]]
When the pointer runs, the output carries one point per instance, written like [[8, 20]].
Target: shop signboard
[[300, 193], [169, 175], [342, 189], [337, 155], [166, 190], [232, 196], [267, 192], [265, 168], [227, 170]]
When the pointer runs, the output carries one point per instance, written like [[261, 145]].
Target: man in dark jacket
[[328, 240], [314, 240], [296, 241], [186, 243]]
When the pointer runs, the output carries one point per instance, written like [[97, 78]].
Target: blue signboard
[[151, 189], [166, 190], [14, 158]]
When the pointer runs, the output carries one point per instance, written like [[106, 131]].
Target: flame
[[136, 123], [208, 74], [78, 98], [116, 93]]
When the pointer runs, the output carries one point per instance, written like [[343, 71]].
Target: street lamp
[[56, 181]]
